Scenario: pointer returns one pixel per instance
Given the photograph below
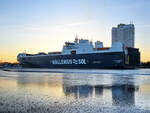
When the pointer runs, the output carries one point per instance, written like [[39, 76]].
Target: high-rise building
[[124, 33]]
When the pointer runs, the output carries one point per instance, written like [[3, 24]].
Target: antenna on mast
[[131, 22], [76, 39]]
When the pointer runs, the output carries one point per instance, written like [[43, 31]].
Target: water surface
[[75, 91]]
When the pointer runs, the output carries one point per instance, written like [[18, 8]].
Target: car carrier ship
[[82, 53]]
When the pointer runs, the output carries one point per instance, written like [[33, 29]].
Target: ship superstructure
[[84, 46]]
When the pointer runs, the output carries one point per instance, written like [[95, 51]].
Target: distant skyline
[[44, 25]]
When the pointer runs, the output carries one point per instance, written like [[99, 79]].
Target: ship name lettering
[[69, 61]]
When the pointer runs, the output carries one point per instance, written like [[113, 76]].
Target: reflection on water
[[100, 89], [121, 95], [45, 85]]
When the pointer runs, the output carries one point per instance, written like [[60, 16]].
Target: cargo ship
[[83, 54]]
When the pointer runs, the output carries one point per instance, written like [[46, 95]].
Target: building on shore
[[124, 33]]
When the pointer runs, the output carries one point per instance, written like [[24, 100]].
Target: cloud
[[75, 24], [41, 27], [143, 26], [78, 23], [19, 26]]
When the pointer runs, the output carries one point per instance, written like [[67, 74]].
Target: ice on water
[[75, 91]]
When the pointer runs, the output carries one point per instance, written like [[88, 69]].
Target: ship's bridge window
[[83, 41], [69, 44], [73, 52]]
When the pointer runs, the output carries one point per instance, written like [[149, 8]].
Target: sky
[[44, 25]]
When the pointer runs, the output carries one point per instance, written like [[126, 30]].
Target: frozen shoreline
[[82, 71]]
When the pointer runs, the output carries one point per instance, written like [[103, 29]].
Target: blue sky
[[44, 25]]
